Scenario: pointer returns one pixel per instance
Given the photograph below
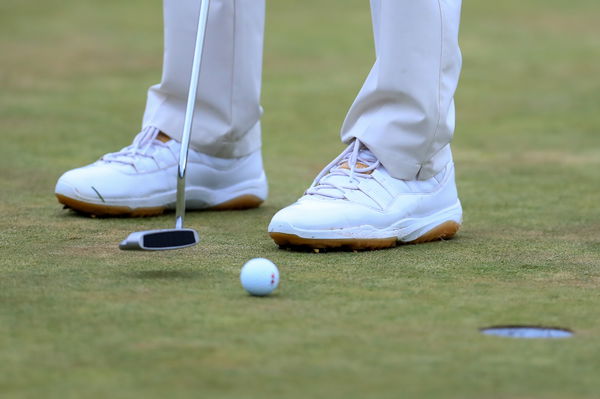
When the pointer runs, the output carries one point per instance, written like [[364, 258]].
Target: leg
[[226, 122], [404, 113], [395, 181], [224, 164]]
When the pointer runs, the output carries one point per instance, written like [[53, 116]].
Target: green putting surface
[[80, 318]]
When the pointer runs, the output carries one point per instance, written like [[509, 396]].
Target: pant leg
[[227, 116], [404, 112]]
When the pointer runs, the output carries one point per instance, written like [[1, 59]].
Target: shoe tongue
[[163, 137], [340, 180], [145, 143], [359, 165]]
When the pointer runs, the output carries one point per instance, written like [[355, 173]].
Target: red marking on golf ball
[[272, 278]]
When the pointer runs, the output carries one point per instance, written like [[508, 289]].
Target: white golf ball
[[259, 276]]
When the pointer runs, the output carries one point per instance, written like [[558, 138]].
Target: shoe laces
[[144, 145], [353, 165]]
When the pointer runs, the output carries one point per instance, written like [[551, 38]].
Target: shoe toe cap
[[100, 183], [74, 184], [314, 215]]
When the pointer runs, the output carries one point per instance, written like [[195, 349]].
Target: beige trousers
[[404, 112]]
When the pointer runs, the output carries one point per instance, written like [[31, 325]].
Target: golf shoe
[[141, 180], [355, 204]]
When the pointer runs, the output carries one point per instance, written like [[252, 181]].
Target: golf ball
[[259, 276]]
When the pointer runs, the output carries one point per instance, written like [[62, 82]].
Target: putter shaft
[[189, 114]]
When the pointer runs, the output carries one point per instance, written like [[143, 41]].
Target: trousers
[[404, 112]]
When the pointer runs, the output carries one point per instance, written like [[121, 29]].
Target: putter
[[179, 237]]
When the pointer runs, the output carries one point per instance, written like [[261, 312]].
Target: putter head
[[160, 240]]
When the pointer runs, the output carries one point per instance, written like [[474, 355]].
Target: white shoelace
[[345, 172], [142, 146]]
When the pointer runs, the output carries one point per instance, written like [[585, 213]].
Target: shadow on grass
[[348, 249], [164, 274], [269, 297], [65, 211]]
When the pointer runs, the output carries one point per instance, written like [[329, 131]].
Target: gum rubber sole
[[108, 210], [443, 231], [242, 202], [97, 210]]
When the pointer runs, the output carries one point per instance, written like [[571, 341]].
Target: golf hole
[[528, 332]]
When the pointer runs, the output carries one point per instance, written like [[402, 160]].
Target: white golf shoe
[[141, 180], [355, 204]]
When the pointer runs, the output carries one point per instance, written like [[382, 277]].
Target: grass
[[79, 318]]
